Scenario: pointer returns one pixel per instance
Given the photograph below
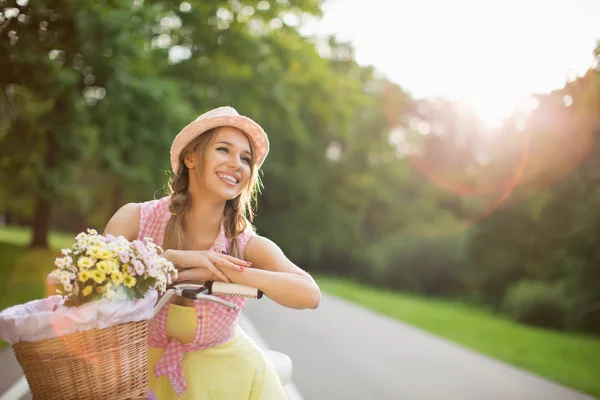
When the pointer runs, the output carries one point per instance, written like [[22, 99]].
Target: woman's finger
[[223, 263], [193, 274], [232, 259], [198, 274], [217, 272]]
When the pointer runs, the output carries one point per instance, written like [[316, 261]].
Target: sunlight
[[491, 58], [493, 109]]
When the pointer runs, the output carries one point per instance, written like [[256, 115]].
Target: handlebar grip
[[233, 289]]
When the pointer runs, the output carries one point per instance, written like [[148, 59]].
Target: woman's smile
[[229, 179]]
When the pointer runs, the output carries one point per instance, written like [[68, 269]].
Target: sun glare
[[493, 110], [490, 57]]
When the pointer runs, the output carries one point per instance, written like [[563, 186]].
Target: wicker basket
[[110, 363]]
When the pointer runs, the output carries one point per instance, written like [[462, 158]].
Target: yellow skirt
[[234, 370]]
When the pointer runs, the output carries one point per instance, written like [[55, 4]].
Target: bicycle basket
[[109, 363]]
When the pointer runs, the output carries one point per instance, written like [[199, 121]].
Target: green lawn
[[21, 236], [571, 359], [23, 272]]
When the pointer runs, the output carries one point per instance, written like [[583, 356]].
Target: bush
[[536, 303], [427, 265], [584, 314]]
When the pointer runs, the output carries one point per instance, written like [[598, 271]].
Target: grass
[[568, 358], [22, 271], [21, 236]]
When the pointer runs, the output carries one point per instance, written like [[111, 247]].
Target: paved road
[[10, 376], [342, 351]]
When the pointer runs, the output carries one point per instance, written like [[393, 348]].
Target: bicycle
[[209, 291], [92, 363]]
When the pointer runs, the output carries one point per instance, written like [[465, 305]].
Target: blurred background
[[427, 149]]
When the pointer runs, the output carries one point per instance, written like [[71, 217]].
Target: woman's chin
[[224, 192], [228, 194]]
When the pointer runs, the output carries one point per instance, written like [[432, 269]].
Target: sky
[[490, 54]]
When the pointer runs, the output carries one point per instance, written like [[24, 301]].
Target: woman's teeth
[[228, 178]]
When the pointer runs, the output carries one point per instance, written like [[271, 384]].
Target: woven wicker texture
[[109, 363]]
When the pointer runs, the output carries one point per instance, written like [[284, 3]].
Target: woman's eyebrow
[[231, 144]]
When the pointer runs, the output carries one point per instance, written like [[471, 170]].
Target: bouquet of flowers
[[110, 267], [96, 329]]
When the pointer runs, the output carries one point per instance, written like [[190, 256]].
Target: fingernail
[[248, 262], [241, 268], [228, 280]]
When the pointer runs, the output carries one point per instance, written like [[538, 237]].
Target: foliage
[[362, 180], [536, 303]]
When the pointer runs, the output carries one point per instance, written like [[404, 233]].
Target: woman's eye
[[223, 149], [247, 160]]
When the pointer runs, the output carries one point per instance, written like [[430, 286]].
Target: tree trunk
[[41, 214], [39, 225], [8, 219]]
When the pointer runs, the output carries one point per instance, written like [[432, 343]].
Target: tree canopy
[[363, 179]]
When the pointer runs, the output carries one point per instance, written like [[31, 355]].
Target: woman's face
[[227, 164]]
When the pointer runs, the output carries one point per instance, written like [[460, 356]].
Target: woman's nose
[[235, 162]]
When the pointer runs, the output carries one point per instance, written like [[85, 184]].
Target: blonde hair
[[238, 213]]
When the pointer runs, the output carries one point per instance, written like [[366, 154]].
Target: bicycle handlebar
[[208, 291]]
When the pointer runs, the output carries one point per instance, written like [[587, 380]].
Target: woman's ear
[[190, 160]]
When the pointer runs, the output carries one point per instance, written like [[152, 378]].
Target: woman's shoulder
[[135, 219], [125, 222], [154, 207], [154, 215], [246, 234]]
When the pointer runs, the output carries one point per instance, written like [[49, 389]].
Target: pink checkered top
[[216, 323]]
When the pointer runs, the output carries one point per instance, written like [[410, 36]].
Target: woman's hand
[[202, 266], [200, 274]]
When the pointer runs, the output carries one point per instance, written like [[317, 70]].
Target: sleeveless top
[[215, 323]]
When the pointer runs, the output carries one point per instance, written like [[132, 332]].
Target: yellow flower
[[84, 276], [129, 281], [93, 250], [99, 289], [124, 268], [87, 291], [98, 276], [105, 254], [103, 267], [85, 262], [116, 277], [114, 266]]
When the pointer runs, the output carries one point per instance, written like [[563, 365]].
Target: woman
[[196, 349]]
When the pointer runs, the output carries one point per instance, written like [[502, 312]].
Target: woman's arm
[[276, 276], [125, 222], [273, 273]]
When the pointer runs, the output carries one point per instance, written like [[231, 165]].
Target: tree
[[102, 78]]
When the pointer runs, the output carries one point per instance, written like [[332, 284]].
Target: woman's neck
[[203, 219]]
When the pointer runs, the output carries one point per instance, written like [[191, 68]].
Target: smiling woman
[[205, 226], [224, 168]]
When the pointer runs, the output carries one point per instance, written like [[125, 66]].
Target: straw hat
[[221, 116]]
